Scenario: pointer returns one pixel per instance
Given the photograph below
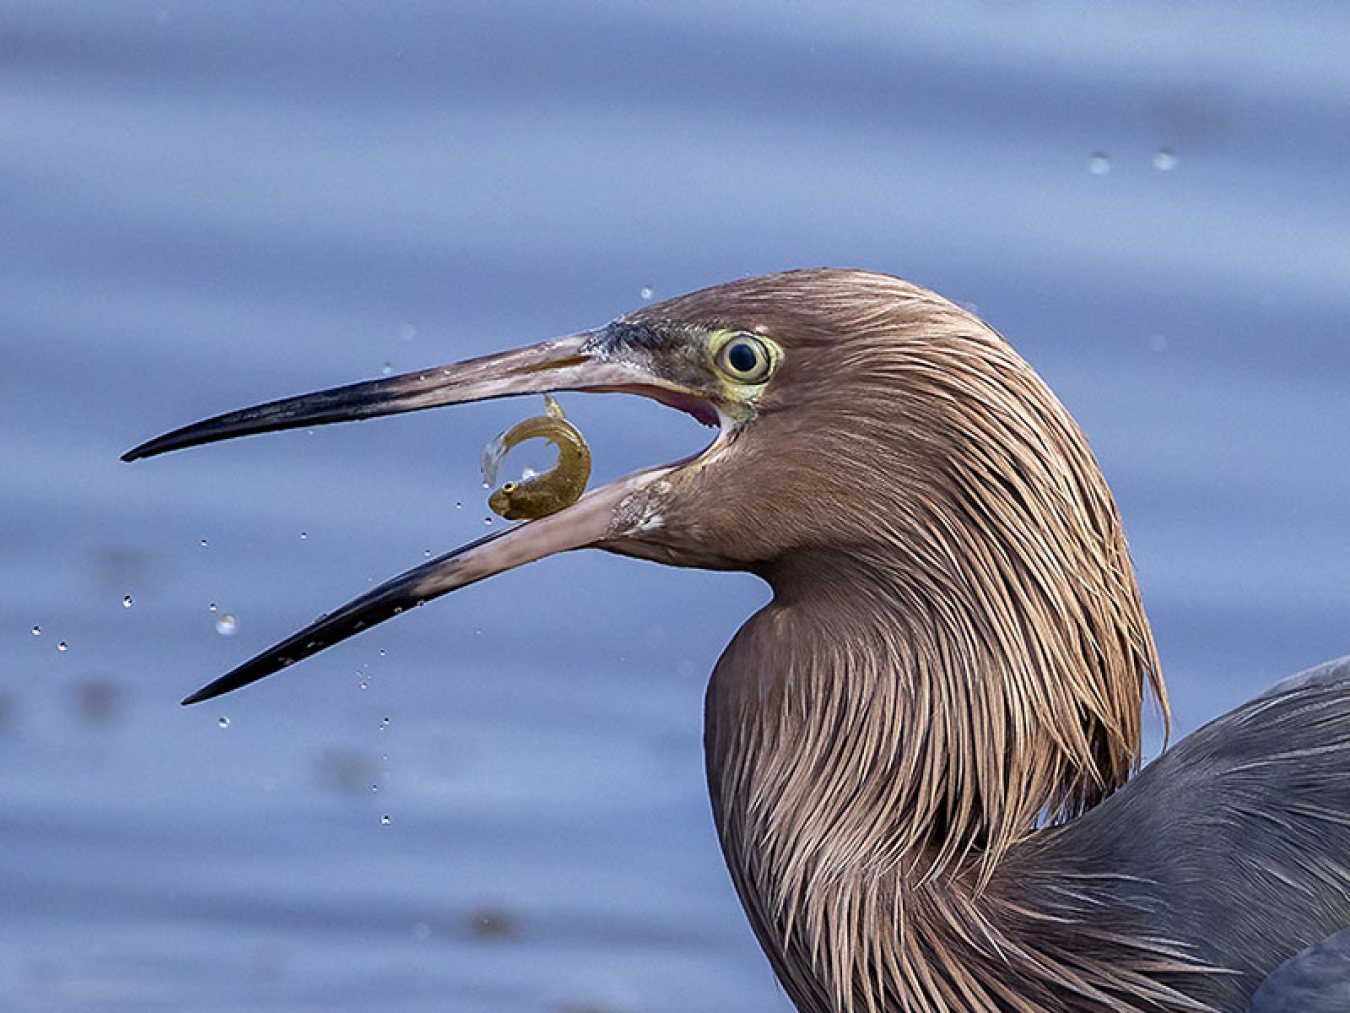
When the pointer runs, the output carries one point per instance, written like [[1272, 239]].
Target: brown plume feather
[[956, 655]]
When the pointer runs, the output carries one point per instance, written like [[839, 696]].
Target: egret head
[[874, 440]]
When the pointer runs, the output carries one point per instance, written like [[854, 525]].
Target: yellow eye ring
[[745, 358]]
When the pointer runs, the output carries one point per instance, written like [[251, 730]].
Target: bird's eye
[[745, 359]]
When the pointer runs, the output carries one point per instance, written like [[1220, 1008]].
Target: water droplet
[[224, 722], [304, 535], [487, 521], [646, 292], [1099, 164], [211, 607], [63, 647], [459, 505], [374, 787], [363, 683], [226, 624], [407, 332], [203, 543], [127, 601], [387, 368], [426, 553], [384, 722], [382, 652], [1165, 160], [37, 631], [384, 820]]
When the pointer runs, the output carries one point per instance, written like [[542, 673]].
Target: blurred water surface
[[497, 803]]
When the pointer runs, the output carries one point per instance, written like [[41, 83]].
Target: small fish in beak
[[549, 491]]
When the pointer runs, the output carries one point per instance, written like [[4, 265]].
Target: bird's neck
[[873, 754]]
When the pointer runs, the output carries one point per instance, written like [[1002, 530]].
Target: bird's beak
[[602, 517]]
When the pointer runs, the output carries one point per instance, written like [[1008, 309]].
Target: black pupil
[[742, 357]]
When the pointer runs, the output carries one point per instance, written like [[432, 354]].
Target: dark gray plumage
[[1315, 980], [1234, 844]]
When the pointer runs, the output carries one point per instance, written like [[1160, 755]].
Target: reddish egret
[[920, 751]]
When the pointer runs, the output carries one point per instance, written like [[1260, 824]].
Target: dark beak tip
[[142, 450], [150, 448]]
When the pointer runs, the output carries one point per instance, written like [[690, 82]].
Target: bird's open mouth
[[700, 409], [602, 517]]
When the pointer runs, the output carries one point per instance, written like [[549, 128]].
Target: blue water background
[[208, 205]]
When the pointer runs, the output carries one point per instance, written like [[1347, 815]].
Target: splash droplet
[[374, 787], [63, 647], [384, 723], [304, 535], [459, 505], [226, 624], [487, 521], [1099, 164], [1165, 160], [387, 368], [382, 652], [211, 607], [224, 722], [384, 820], [364, 684], [203, 543], [37, 631], [646, 293], [127, 601]]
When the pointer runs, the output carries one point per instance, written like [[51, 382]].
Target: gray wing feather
[[1315, 980], [1234, 845], [1328, 673]]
